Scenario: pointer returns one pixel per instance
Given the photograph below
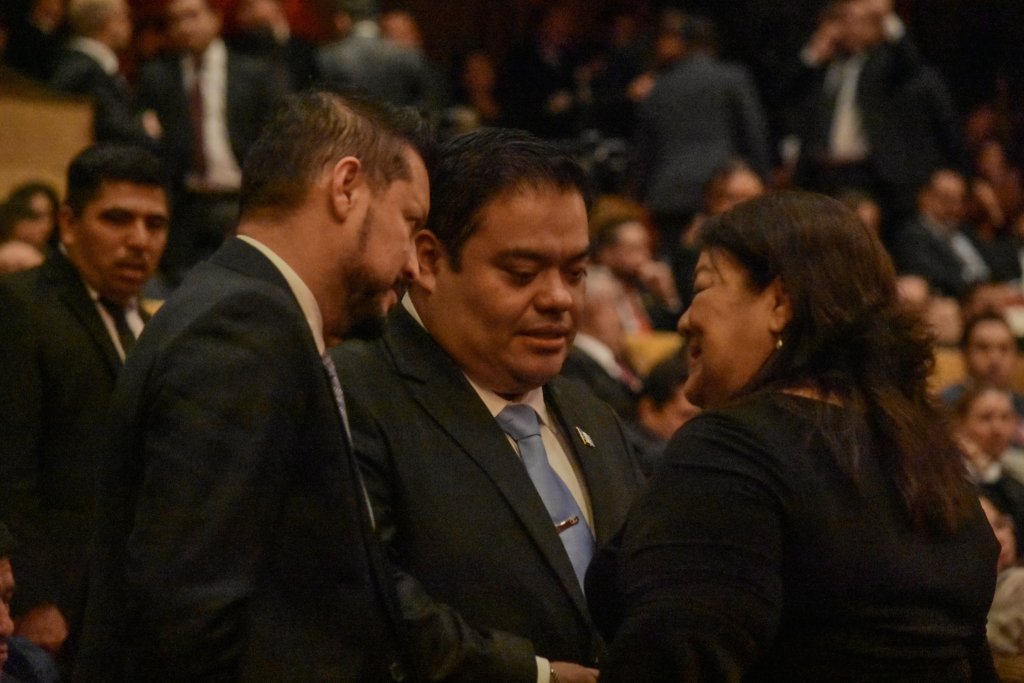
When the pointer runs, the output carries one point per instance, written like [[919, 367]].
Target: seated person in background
[[649, 298], [42, 198], [1005, 629], [866, 208], [661, 410], [17, 252], [935, 245], [990, 357], [20, 659], [731, 183], [985, 421], [597, 357], [941, 313]]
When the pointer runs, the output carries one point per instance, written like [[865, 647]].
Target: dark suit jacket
[[296, 56], [253, 88], [917, 251], [906, 110], [701, 112], [115, 119], [235, 542], [581, 367], [57, 370], [485, 583], [375, 66]]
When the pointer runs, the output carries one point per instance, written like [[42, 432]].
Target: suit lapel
[[432, 374], [592, 456], [68, 284]]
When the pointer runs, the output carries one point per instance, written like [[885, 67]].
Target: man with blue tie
[[492, 479]]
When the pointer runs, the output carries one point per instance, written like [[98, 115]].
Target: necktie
[[196, 115], [339, 399], [520, 422], [124, 333]]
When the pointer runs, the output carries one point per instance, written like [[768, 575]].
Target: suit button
[[397, 672]]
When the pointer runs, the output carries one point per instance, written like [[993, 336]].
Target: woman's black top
[[752, 556]]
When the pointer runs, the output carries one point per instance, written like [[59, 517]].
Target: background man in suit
[[935, 245], [490, 585], [211, 103], [236, 539], [89, 66], [66, 327], [360, 59], [701, 112], [872, 115]]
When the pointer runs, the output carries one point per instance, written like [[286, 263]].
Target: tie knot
[[519, 421], [116, 310]]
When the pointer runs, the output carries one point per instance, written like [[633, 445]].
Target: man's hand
[[45, 626], [568, 672]]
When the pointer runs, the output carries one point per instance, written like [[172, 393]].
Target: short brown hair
[[314, 129]]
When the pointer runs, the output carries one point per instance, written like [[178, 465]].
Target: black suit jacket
[[235, 542], [907, 113], [253, 88], [581, 367], [917, 251], [485, 583], [57, 370], [115, 119]]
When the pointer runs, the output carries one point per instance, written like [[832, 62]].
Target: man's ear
[[430, 254], [781, 312], [66, 224], [347, 182]]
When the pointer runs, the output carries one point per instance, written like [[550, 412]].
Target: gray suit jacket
[[485, 584], [701, 112]]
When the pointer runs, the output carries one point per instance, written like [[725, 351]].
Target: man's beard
[[366, 317]]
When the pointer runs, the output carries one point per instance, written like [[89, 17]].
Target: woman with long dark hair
[[815, 522]]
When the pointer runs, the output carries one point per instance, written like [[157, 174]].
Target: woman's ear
[[781, 312]]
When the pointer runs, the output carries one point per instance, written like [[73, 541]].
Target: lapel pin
[[585, 438]]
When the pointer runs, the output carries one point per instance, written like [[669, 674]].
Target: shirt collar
[[101, 52], [215, 57], [307, 302], [599, 352]]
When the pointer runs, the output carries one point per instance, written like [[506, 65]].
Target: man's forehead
[[112, 191]]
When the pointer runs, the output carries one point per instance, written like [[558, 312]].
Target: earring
[[778, 343]]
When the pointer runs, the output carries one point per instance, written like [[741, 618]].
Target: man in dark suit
[[598, 355], [492, 528], [871, 114], [934, 243], [266, 33], [236, 537], [89, 66], [66, 328], [361, 59], [701, 112], [211, 103]]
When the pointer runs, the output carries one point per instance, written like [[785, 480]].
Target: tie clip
[[567, 524]]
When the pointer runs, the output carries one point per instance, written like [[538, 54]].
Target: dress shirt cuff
[[543, 670]]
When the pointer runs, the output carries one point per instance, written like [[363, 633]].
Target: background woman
[[814, 522]]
